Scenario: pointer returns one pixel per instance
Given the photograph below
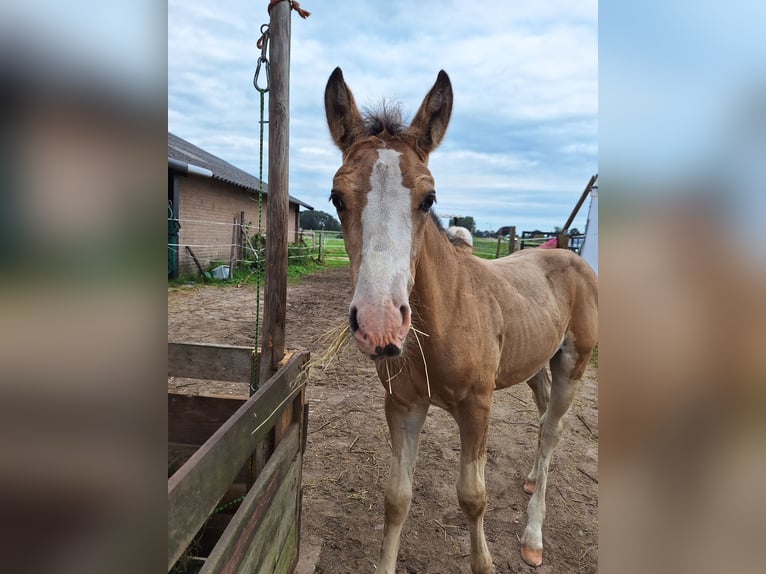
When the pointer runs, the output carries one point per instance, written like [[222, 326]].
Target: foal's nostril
[[404, 310], [352, 321], [391, 350]]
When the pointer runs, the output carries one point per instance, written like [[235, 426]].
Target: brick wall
[[202, 199]]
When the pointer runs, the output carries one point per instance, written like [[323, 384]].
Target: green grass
[[299, 264], [594, 357], [295, 271], [486, 247], [334, 252]]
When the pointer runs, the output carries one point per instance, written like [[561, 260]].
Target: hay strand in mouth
[[338, 338], [335, 341], [388, 374], [423, 355]]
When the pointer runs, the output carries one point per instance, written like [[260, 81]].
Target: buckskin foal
[[444, 327]]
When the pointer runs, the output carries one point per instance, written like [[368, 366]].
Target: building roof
[[181, 150]]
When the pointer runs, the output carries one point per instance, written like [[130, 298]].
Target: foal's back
[[545, 297]]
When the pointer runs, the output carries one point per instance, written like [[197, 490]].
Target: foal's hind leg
[[404, 424], [540, 384], [567, 367]]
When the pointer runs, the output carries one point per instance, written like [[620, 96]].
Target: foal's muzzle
[[379, 331]]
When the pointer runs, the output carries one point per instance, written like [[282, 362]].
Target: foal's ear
[[343, 117], [430, 123]]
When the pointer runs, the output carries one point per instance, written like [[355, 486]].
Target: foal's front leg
[[472, 417], [404, 424]]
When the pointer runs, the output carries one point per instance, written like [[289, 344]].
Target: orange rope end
[[301, 12], [295, 6]]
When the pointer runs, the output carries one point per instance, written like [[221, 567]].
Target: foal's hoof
[[531, 556], [529, 487]]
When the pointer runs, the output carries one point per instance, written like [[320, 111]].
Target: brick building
[[205, 193]]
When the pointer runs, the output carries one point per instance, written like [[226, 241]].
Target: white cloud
[[523, 138]]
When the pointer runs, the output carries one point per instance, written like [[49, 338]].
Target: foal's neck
[[439, 277]]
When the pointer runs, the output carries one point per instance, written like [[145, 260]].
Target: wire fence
[[201, 246], [494, 247], [218, 247]]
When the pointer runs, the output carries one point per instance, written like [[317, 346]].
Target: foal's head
[[383, 193]]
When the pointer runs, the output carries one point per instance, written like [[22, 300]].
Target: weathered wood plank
[[262, 453], [195, 489], [211, 362], [269, 539], [192, 419], [255, 524], [285, 420], [178, 454], [288, 558]]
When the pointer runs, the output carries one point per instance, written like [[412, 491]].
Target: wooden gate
[[217, 446]]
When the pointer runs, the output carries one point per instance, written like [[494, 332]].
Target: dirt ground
[[348, 450]]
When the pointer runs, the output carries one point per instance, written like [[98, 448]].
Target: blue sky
[[522, 142]]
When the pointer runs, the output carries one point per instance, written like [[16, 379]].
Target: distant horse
[[470, 325], [457, 234]]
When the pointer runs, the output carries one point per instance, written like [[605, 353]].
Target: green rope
[[263, 43], [256, 368], [229, 504]]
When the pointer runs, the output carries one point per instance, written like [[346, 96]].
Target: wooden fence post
[[511, 239], [275, 287], [241, 235], [233, 252]]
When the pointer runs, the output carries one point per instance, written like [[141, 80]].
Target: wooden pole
[[511, 239], [241, 256], [197, 263], [275, 287], [579, 204], [233, 251]]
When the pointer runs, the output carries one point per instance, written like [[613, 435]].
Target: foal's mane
[[384, 119], [437, 222], [443, 232]]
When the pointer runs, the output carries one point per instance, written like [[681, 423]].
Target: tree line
[[320, 220]]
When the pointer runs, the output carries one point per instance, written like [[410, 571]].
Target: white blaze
[[386, 233]]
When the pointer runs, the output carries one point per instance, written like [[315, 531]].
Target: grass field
[[334, 252], [306, 259], [486, 248]]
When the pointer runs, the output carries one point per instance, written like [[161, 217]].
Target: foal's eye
[[428, 202], [336, 201]]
